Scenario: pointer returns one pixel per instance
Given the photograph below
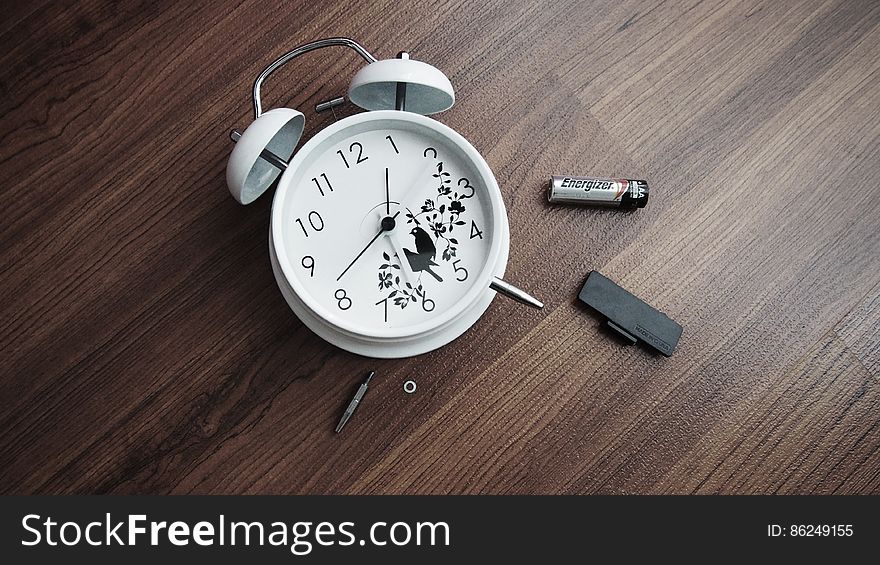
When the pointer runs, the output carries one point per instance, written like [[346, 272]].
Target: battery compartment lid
[[629, 316]]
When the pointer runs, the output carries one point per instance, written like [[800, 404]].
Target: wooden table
[[146, 347]]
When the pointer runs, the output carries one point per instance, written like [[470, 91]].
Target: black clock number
[[428, 305], [343, 301], [308, 262], [318, 183], [360, 157], [461, 274], [475, 231], [432, 150], [315, 220], [360, 154], [467, 184], [426, 301], [385, 302], [388, 137]]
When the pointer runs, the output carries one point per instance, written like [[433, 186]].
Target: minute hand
[[364, 250]]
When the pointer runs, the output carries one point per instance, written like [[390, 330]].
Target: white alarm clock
[[388, 234]]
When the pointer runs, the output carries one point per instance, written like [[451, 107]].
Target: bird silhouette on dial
[[423, 258]]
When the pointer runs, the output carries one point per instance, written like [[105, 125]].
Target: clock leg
[[503, 287]]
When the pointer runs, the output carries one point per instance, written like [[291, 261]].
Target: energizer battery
[[618, 193]]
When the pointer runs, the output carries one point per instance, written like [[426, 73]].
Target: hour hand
[[387, 195]]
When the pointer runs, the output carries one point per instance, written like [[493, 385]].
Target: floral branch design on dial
[[439, 216], [442, 214], [401, 294]]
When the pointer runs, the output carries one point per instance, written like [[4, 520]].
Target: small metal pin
[[400, 94], [352, 406], [503, 287], [329, 104], [267, 155]]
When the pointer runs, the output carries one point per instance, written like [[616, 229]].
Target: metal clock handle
[[272, 158], [301, 50]]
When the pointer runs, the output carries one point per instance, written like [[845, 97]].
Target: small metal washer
[[409, 387]]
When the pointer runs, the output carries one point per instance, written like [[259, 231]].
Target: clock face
[[388, 224]]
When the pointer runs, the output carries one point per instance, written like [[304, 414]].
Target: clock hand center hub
[[388, 223]]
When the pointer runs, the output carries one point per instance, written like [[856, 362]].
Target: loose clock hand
[[387, 225]]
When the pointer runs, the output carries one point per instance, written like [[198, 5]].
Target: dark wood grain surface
[[146, 348]]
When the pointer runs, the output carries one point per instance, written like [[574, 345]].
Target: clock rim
[[471, 299]]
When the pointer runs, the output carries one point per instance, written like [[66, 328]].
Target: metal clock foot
[[503, 287]]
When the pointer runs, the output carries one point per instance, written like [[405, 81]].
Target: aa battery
[[588, 191]]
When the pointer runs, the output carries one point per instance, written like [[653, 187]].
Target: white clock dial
[[388, 225]]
